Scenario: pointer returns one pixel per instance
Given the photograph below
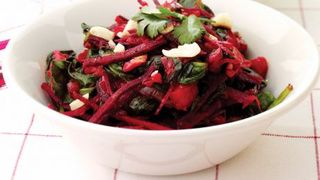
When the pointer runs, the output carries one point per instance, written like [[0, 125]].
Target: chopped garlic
[[119, 48], [222, 20], [154, 73], [213, 37], [102, 32], [186, 50], [130, 26], [76, 104], [112, 44]]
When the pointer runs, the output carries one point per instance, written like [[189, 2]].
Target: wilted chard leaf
[[172, 68], [142, 105], [84, 79], [116, 70], [266, 98], [57, 71], [192, 72]]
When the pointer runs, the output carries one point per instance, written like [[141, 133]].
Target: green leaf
[[168, 12], [222, 33], [149, 10], [187, 3], [150, 24], [85, 27], [189, 31], [60, 64], [142, 105], [58, 79], [84, 91], [68, 99], [192, 72], [58, 73], [266, 98], [84, 79], [282, 96], [116, 70]]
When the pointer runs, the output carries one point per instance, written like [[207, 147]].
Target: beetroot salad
[[175, 65]]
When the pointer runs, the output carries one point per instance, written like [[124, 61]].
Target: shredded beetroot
[[130, 53], [155, 94], [200, 116], [73, 86], [241, 97], [94, 70], [260, 66], [105, 84], [77, 112], [106, 108], [85, 101], [46, 87], [142, 87], [214, 85], [121, 20], [191, 11], [182, 96], [141, 123], [142, 3], [95, 42], [215, 60], [2, 83], [82, 56], [156, 2], [155, 78], [164, 100], [250, 78], [133, 39], [134, 63]]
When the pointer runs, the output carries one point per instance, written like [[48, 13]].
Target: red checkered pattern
[[289, 149]]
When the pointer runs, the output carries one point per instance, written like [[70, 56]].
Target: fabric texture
[[30, 149]]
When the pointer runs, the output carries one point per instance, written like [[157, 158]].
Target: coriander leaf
[[151, 23], [192, 3], [168, 12], [149, 10], [189, 31], [188, 3]]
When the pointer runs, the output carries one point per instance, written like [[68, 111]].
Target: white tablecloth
[[30, 149]]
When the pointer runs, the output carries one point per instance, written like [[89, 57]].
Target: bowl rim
[[269, 114]]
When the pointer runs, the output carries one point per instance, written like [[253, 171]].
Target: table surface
[[30, 149]]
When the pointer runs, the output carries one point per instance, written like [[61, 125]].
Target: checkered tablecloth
[[30, 149]]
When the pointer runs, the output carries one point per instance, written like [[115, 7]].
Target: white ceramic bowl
[[292, 56]]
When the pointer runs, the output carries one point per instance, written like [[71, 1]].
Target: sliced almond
[[222, 20], [102, 32], [186, 50], [213, 37]]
